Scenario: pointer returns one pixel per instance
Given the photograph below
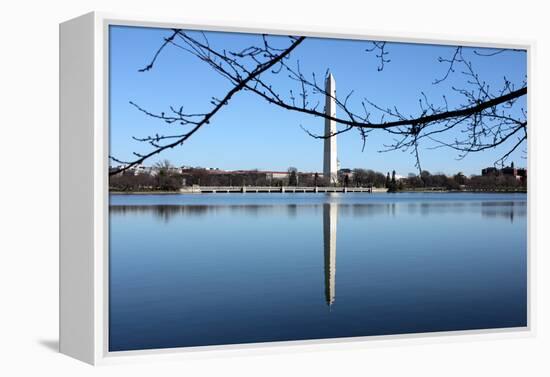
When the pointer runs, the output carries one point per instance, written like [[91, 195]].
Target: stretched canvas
[[267, 187]]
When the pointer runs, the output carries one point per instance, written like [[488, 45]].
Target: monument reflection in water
[[190, 270], [330, 224]]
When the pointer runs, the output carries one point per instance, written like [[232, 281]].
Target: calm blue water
[[190, 270]]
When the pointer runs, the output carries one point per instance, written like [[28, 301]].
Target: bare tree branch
[[260, 68]]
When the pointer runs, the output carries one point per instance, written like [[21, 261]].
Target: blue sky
[[251, 134]]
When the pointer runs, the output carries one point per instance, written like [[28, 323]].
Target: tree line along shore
[[166, 178]]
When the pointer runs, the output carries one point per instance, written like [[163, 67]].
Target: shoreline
[[290, 192]]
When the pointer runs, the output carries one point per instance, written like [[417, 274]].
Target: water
[[207, 269]]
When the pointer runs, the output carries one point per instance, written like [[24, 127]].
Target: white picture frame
[[84, 130]]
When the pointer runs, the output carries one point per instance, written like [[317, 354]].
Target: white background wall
[[29, 188]]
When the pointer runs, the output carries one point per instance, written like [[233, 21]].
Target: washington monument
[[330, 161]]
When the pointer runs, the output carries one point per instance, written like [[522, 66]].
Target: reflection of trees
[[425, 208], [167, 212], [363, 210], [506, 210], [292, 210], [164, 212], [489, 209]]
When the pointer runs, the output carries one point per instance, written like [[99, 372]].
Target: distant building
[[508, 171], [275, 174], [134, 170], [489, 171]]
